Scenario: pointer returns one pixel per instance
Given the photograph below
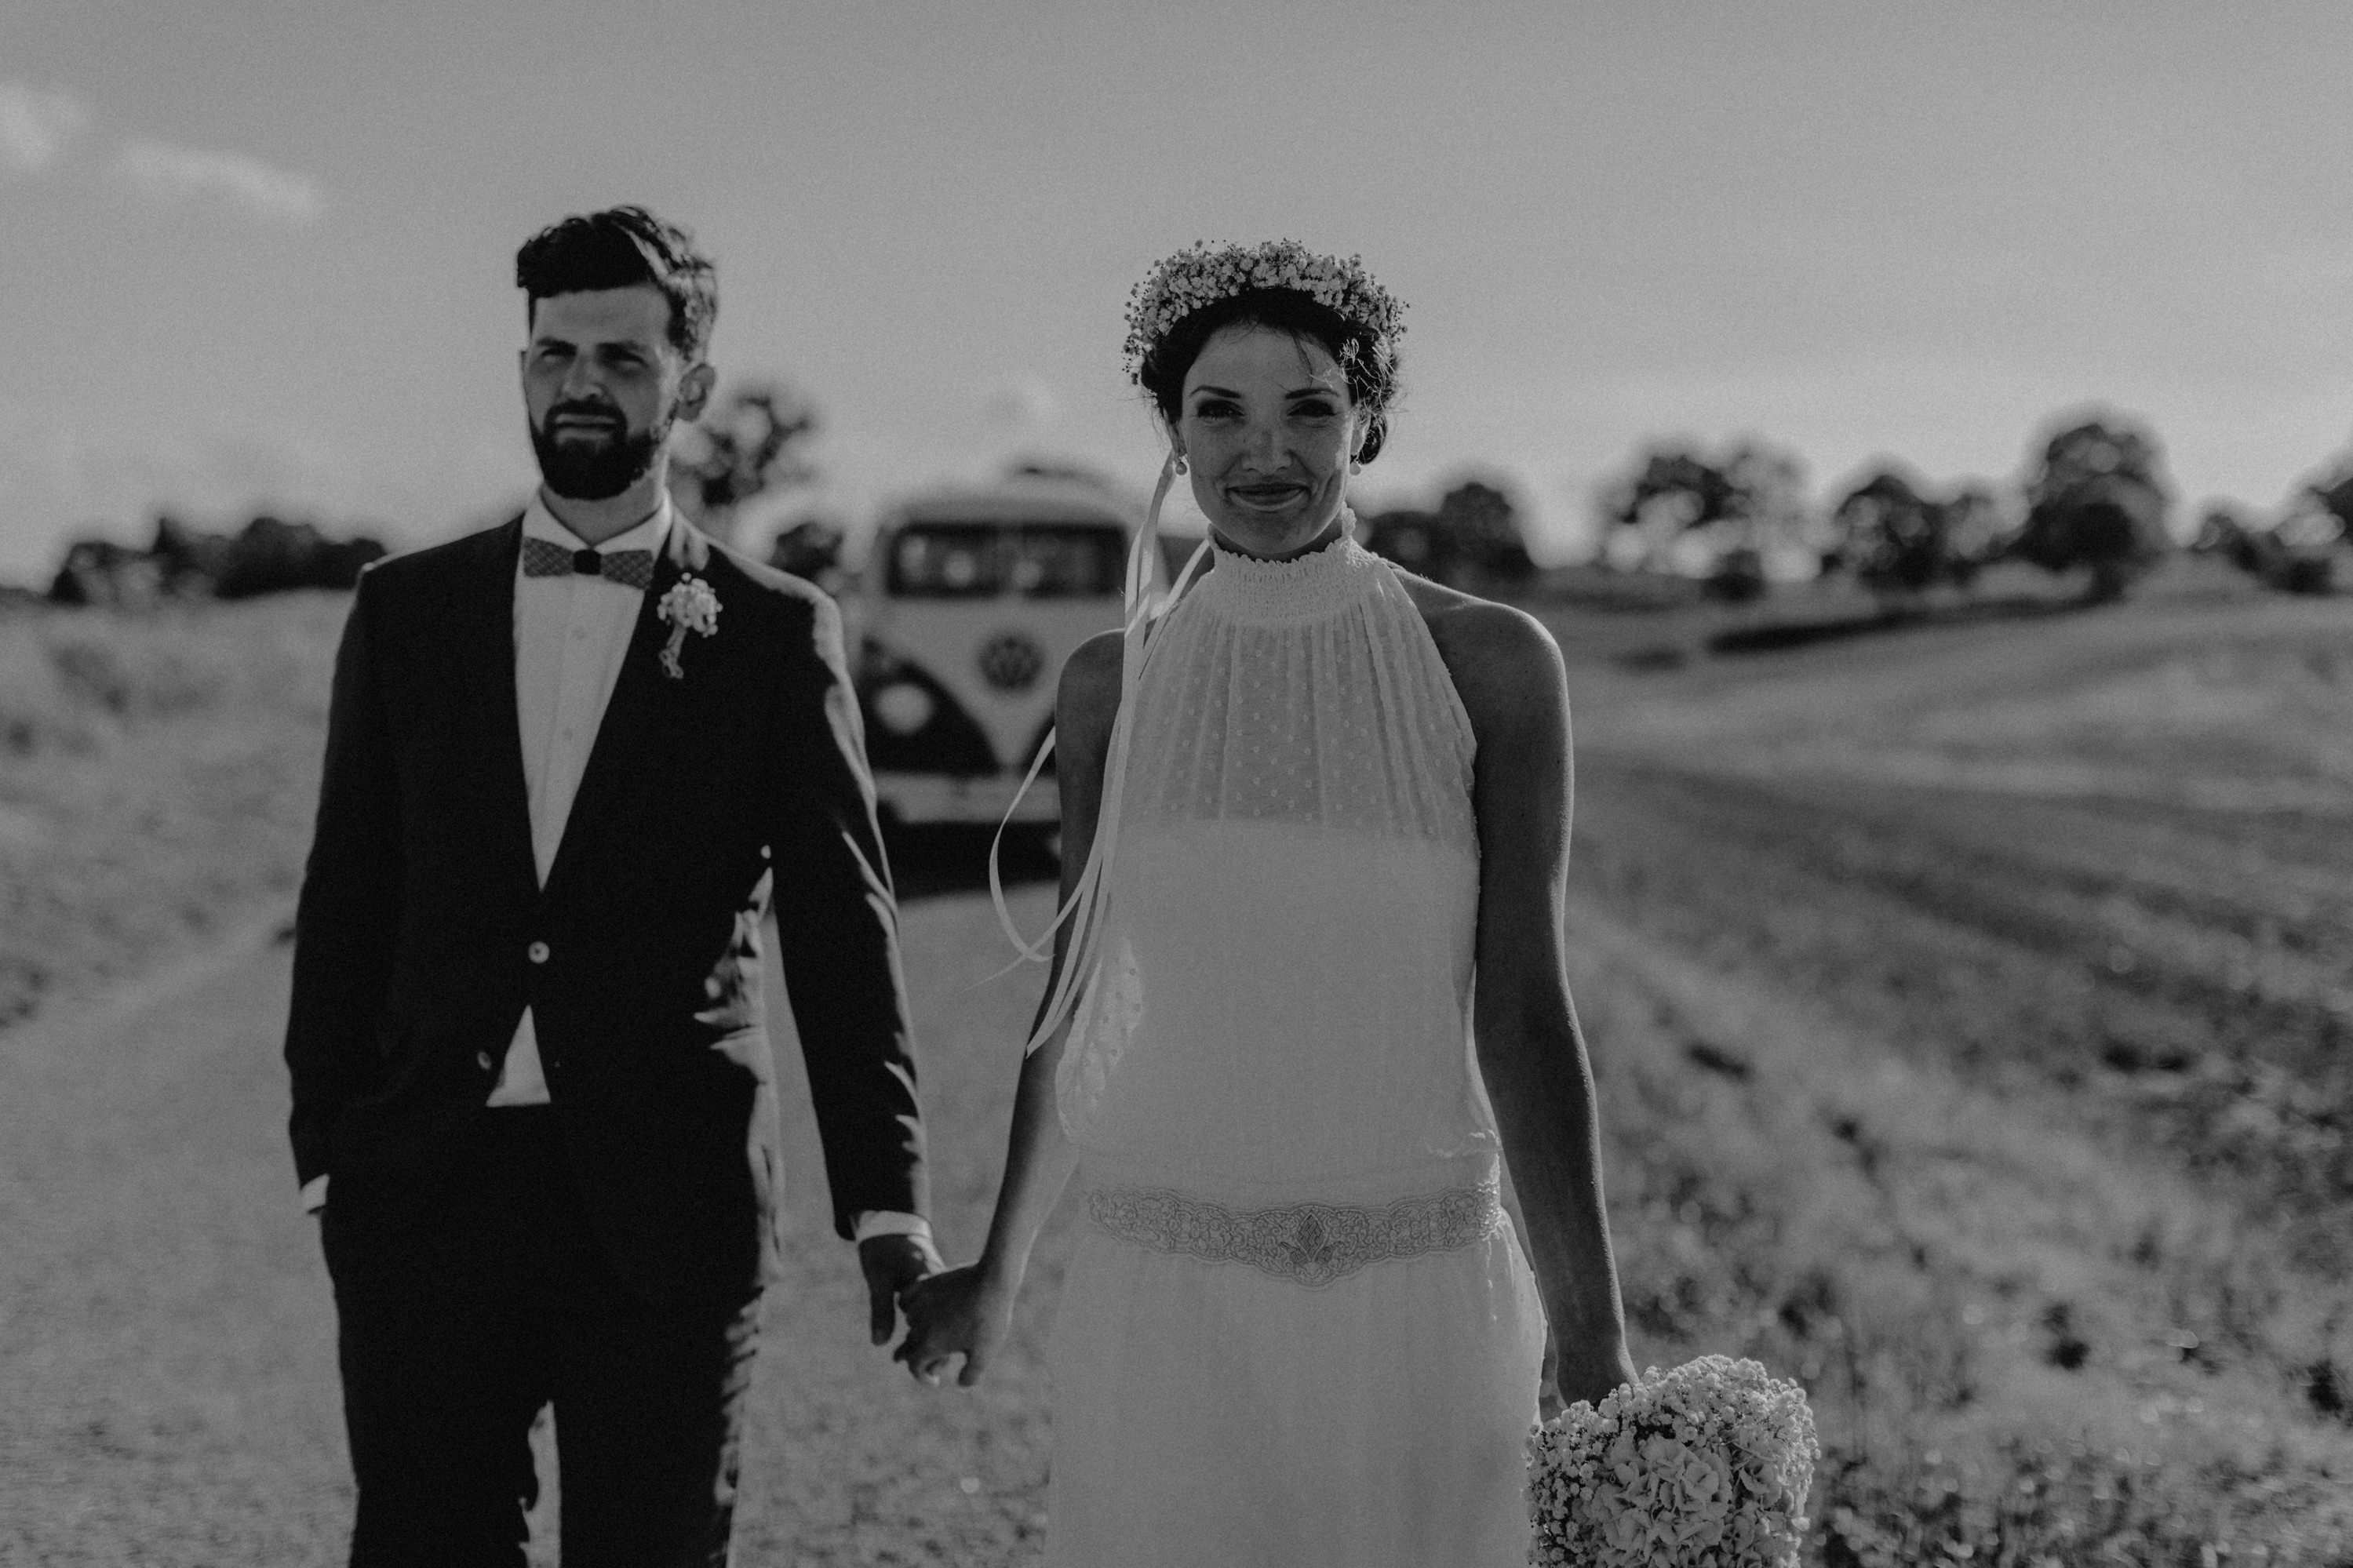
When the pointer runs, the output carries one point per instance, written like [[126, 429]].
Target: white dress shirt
[[571, 634]]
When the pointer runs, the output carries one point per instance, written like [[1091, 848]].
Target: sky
[[258, 254]]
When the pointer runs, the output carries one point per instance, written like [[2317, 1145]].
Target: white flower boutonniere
[[689, 607]]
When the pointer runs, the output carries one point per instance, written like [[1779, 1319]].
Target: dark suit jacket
[[423, 932]]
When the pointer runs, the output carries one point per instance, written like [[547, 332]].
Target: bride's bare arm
[[969, 1309], [1508, 672]]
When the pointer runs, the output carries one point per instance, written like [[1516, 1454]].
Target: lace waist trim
[[1310, 1244]]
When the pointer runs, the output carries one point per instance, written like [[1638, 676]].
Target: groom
[[571, 762]]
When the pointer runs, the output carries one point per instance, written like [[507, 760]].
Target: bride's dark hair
[[1363, 357]]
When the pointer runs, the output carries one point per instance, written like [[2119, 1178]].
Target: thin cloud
[[170, 173], [36, 124]]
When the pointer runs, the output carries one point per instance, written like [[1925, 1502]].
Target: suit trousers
[[499, 1302]]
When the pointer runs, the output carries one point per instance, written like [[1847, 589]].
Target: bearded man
[[572, 763]]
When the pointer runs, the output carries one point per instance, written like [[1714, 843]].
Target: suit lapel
[[485, 625], [625, 749]]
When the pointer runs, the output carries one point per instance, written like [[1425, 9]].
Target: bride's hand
[[959, 1312], [1592, 1376]]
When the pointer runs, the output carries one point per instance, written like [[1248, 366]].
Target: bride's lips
[[1266, 498]]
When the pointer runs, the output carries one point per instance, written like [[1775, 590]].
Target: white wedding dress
[[1297, 1328]]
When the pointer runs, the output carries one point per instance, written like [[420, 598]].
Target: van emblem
[[1011, 661]]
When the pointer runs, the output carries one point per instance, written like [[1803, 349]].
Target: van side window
[[1035, 560], [945, 563], [1068, 562]]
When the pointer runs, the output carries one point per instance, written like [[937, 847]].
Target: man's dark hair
[[620, 248]]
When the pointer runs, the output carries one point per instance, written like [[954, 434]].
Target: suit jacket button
[[536, 952], [482, 1061]]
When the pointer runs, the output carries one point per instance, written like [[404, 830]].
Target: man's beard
[[599, 470]]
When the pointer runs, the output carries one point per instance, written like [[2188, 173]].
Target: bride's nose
[[1262, 445]]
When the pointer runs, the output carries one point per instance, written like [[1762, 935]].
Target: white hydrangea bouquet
[[1703, 1467]]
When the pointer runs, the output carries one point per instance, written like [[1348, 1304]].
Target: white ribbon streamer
[[1084, 910]]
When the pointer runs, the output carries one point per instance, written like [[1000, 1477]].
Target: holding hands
[[892, 1266], [959, 1312]]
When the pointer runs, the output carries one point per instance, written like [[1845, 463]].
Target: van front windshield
[[1034, 561]]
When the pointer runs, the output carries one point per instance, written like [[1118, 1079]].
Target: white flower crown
[[1198, 276]]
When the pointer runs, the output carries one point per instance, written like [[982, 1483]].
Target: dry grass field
[[1970, 1002]]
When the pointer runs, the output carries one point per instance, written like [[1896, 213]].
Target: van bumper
[[930, 797]]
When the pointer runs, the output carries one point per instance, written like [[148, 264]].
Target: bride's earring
[[1355, 467], [1176, 462]]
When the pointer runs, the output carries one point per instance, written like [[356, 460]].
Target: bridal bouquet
[[1703, 1467]]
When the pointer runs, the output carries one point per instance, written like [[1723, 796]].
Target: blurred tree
[[1481, 527], [1976, 531], [1768, 492], [1644, 514], [99, 572], [268, 555], [1684, 510], [752, 440], [2096, 499], [2299, 551], [1890, 535], [2229, 530], [188, 559], [810, 548], [1901, 540], [1412, 537], [271, 555], [2333, 489]]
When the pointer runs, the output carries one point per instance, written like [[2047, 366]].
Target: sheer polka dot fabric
[[1303, 692]]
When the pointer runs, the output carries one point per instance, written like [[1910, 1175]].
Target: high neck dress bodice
[[1280, 1001]]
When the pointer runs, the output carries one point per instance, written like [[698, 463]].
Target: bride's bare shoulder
[[1089, 694], [1504, 664]]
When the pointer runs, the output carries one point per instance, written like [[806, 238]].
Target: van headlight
[[902, 707]]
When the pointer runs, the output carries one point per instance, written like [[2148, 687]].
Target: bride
[[1307, 999]]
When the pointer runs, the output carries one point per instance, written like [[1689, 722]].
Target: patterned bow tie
[[630, 568]]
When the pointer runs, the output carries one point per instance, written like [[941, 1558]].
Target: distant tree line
[[2298, 550], [268, 555], [754, 440], [2093, 502]]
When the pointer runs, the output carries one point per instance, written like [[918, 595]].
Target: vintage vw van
[[968, 605]]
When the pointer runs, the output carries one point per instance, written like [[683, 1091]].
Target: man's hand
[[893, 1264], [960, 1311]]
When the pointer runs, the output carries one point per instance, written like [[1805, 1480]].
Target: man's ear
[[694, 391]]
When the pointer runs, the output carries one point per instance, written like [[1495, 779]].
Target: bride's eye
[[1215, 408], [1314, 409]]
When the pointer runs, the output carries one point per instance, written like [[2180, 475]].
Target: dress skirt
[[1210, 1414]]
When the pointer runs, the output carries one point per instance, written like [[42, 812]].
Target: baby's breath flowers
[[1199, 275], [1703, 1467], [689, 607]]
